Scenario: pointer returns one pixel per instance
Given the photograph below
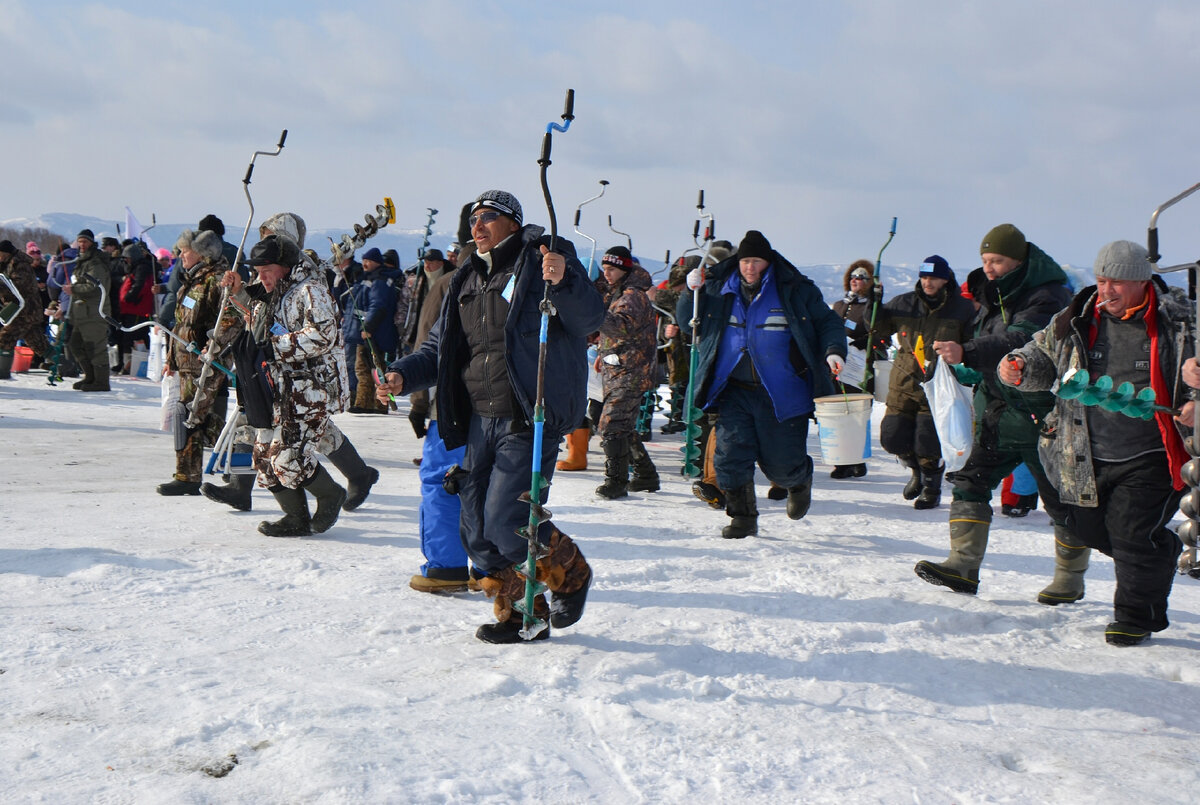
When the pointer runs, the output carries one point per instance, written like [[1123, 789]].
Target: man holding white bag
[[1019, 289]]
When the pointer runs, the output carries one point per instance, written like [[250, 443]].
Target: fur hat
[[284, 223], [1123, 260], [1007, 240], [500, 201], [858, 266], [754, 245], [718, 253], [208, 245]]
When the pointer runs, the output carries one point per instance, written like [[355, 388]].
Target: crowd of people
[[461, 334]]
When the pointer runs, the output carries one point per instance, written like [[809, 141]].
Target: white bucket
[[843, 425], [883, 377]]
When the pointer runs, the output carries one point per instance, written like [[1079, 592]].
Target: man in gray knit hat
[[1118, 475]]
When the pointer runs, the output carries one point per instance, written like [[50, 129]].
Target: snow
[[149, 641]]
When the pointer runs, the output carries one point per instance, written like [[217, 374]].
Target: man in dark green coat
[[90, 280], [1019, 289]]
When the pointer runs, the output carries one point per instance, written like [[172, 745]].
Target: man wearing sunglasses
[[482, 355]]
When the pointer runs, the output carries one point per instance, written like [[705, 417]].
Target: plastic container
[[843, 426], [22, 359]]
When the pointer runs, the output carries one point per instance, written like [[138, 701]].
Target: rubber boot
[[930, 496], [577, 447], [329, 496], [236, 493], [507, 587], [99, 379], [742, 508], [616, 468], [913, 488], [295, 521], [645, 474], [1070, 563], [969, 524], [89, 375], [359, 477], [6, 362]]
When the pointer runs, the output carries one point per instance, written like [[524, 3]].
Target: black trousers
[[1130, 525]]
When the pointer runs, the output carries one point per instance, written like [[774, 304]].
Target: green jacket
[[90, 280]]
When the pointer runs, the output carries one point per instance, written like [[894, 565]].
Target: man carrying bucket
[[767, 342]]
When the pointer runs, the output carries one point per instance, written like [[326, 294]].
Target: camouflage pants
[[620, 413], [287, 453], [189, 462], [364, 397], [34, 337]]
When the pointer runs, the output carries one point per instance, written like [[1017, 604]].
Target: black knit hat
[[434, 254], [211, 223], [86, 234], [7, 247], [619, 257], [754, 245]]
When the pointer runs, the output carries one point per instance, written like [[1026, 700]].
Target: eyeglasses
[[860, 276], [482, 218]]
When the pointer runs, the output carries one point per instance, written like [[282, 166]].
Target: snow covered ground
[[147, 642]]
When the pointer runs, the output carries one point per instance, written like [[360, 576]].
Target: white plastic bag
[[157, 358], [170, 396], [953, 415]]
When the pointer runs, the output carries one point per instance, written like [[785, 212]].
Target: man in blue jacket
[[482, 355], [369, 324], [767, 344]]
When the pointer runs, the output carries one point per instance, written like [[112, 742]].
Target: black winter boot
[[799, 499], [89, 377], [913, 487], [6, 361], [236, 493], [616, 468], [176, 488], [742, 508], [645, 474], [930, 496], [295, 521], [359, 477], [329, 496]]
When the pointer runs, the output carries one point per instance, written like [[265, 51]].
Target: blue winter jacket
[[374, 298], [579, 313], [816, 332]]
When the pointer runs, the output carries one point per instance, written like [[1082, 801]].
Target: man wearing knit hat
[[1118, 475], [483, 357], [88, 288], [763, 371], [1019, 289]]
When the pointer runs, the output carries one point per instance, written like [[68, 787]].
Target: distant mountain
[[827, 276]]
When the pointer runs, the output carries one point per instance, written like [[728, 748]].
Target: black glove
[[417, 419], [452, 479]]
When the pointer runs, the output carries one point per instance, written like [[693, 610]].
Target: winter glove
[[835, 364], [417, 419], [452, 480], [695, 278]]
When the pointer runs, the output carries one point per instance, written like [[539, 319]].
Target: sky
[[814, 122]]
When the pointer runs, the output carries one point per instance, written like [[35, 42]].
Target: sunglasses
[[858, 276], [482, 218]]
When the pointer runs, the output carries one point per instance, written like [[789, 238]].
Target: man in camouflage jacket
[[29, 325]]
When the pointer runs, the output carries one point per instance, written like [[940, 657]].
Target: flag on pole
[[133, 229]]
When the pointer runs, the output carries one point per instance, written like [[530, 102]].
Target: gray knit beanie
[[1123, 260]]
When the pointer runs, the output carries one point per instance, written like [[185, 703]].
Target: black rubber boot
[[616, 468], [930, 496], [645, 474], [799, 499], [295, 521], [176, 488], [6, 361], [236, 493], [89, 377], [329, 496], [359, 477], [913, 487], [742, 508]]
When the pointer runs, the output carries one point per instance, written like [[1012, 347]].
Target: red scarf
[[1177, 455]]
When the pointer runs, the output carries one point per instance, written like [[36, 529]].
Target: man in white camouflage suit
[[294, 324]]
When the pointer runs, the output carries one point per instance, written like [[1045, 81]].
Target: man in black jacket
[[483, 357]]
